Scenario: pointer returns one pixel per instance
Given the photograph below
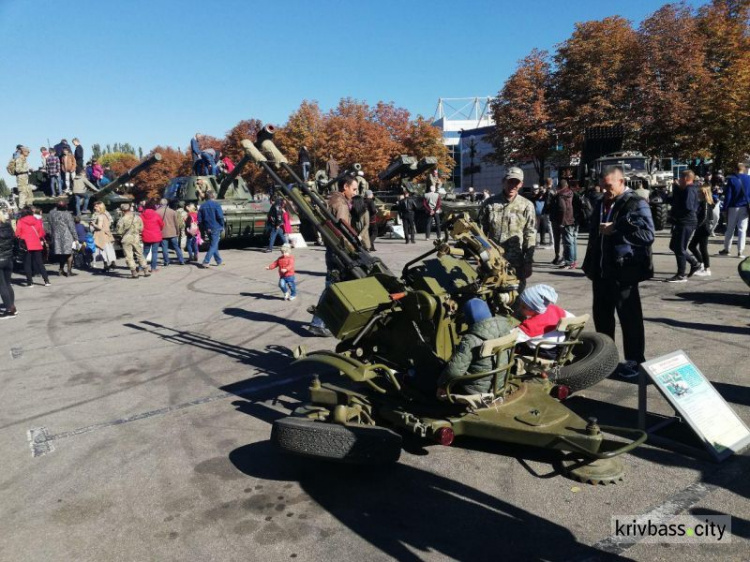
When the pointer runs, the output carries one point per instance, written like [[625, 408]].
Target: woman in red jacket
[[152, 225], [30, 229]]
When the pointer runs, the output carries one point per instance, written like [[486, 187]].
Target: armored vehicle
[[372, 311], [108, 194], [245, 215], [638, 173]]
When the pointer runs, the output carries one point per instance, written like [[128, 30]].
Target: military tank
[[108, 194], [244, 214]]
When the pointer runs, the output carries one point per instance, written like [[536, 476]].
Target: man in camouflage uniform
[[129, 228], [25, 194], [509, 220]]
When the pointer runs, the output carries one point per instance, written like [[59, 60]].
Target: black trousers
[[373, 232], [699, 246], [611, 295], [6, 289], [410, 227], [681, 234], [436, 218], [32, 263]]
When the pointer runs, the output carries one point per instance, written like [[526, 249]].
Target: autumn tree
[[671, 83], [424, 139], [594, 78], [152, 181], [120, 162], [304, 128], [523, 121], [724, 113], [231, 146]]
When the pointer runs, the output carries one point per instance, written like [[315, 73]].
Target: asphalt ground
[[135, 420]]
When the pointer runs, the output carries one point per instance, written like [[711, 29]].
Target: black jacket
[[6, 245], [624, 255], [407, 207]]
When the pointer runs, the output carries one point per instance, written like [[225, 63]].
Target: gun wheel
[[599, 471]]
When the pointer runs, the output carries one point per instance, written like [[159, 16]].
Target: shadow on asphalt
[[728, 299], [299, 328], [270, 296], [740, 330], [401, 509]]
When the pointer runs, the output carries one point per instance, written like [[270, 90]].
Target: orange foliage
[[152, 181]]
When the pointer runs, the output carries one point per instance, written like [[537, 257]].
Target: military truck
[[639, 174], [244, 214]]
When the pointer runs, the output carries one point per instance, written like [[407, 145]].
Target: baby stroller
[[83, 256]]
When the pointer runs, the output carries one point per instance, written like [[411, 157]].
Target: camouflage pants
[[25, 194], [133, 250]]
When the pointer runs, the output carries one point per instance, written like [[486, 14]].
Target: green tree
[[96, 151], [524, 129]]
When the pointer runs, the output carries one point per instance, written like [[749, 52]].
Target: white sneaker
[[703, 273], [286, 296], [741, 256], [292, 298]]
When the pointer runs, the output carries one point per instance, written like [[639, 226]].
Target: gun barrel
[[128, 175], [231, 176]]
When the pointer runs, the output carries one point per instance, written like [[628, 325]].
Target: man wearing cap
[[130, 229], [509, 220], [25, 194]]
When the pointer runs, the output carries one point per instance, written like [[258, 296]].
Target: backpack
[[11, 167], [582, 209]]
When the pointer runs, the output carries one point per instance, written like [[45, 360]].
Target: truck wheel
[[595, 359], [659, 214], [352, 444]]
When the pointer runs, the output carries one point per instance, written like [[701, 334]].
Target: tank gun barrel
[[128, 175]]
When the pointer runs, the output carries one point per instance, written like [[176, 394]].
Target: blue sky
[[155, 72]]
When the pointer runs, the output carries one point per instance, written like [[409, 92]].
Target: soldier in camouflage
[[25, 194], [129, 228], [509, 220]]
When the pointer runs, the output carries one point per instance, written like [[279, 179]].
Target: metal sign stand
[[697, 406]]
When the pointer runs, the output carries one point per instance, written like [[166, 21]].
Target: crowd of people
[[62, 171], [142, 231]]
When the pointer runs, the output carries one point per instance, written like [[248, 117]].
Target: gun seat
[[572, 328], [496, 348]]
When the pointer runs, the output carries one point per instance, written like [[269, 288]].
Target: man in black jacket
[[618, 257], [407, 208], [684, 220], [78, 154]]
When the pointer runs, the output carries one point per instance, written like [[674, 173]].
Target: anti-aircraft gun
[[393, 330]]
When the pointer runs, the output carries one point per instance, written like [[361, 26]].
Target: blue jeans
[[288, 284], [81, 198], [278, 231], [153, 247], [213, 248], [175, 243], [569, 241], [55, 186], [305, 170], [192, 247]]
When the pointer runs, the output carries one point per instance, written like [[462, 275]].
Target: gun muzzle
[[252, 151]]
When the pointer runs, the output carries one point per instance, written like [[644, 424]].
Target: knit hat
[[476, 310], [539, 297]]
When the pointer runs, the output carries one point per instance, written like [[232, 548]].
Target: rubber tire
[[659, 214], [352, 444], [597, 358]]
